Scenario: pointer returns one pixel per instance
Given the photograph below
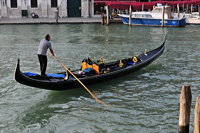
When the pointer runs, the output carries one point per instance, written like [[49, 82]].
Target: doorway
[[74, 8]]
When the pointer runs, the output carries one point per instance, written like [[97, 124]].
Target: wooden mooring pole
[[107, 15], [197, 116], [185, 104], [178, 10], [183, 8], [142, 7], [163, 16], [199, 9], [130, 15], [191, 8]]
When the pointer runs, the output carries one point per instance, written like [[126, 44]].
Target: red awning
[[148, 5], [126, 5], [104, 1], [180, 2]]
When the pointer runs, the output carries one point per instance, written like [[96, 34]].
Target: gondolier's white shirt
[[43, 47]]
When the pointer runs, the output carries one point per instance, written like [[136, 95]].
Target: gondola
[[107, 72]]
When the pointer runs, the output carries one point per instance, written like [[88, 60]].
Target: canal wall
[[72, 20], [50, 21]]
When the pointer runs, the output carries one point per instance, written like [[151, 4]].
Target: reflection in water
[[41, 113]]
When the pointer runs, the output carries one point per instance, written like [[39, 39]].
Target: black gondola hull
[[52, 84]]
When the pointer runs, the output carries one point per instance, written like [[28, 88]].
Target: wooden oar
[[96, 99]]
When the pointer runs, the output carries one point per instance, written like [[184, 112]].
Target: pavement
[[49, 20], [5, 21]]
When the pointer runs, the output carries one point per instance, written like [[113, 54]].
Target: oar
[[96, 99]]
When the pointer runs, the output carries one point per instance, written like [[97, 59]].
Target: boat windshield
[[147, 16], [142, 15], [157, 10]]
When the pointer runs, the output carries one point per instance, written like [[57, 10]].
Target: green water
[[146, 101]]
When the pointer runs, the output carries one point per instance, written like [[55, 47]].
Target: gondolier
[[44, 45]]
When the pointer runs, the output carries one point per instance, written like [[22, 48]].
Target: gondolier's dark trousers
[[43, 63]]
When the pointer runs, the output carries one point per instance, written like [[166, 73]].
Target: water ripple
[[146, 101]]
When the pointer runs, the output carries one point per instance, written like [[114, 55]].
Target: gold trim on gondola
[[135, 59]]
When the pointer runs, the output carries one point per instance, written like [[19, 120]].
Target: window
[[54, 3], [33, 3], [13, 3]]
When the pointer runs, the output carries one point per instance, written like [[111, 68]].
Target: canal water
[[146, 101]]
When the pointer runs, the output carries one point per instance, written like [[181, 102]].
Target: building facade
[[46, 8]]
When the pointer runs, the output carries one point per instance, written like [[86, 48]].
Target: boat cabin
[[156, 13]]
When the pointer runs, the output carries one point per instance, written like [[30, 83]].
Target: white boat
[[154, 18], [193, 18]]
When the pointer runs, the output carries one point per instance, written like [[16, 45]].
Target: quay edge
[[9, 21], [50, 21]]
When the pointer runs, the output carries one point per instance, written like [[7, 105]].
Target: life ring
[[135, 59]]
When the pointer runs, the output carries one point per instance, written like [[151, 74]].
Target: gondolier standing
[[44, 45]]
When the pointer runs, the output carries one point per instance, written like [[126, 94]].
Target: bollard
[[197, 116], [185, 104]]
